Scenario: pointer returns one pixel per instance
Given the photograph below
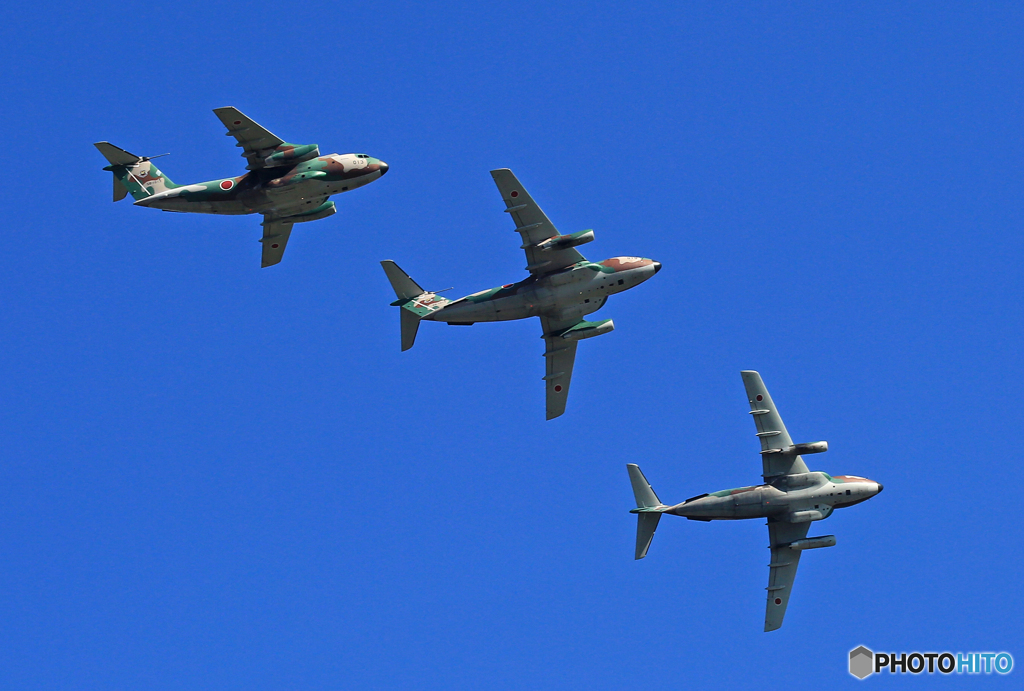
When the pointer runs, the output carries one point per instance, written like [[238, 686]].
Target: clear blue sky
[[220, 477]]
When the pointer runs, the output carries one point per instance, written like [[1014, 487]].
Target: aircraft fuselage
[[280, 191], [584, 286], [793, 498]]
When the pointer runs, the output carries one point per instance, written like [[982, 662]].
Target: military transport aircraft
[[790, 499], [562, 288], [287, 183]]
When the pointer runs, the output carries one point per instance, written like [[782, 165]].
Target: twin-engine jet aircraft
[[287, 183], [562, 288], [790, 499]]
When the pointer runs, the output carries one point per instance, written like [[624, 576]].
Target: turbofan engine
[[814, 542], [561, 242], [587, 329], [289, 154]]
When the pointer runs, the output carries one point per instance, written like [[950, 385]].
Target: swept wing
[[256, 141], [782, 571], [559, 356], [275, 237], [533, 225], [770, 430], [775, 462]]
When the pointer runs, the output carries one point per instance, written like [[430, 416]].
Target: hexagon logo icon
[[861, 662]]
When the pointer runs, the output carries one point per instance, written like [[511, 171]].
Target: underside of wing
[[256, 141], [770, 430], [275, 238], [534, 227], [782, 569], [559, 356]]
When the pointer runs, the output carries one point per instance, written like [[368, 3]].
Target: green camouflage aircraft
[[287, 183], [790, 498], [562, 288]]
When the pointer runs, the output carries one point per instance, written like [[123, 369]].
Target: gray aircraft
[[286, 183], [561, 289], [790, 498]]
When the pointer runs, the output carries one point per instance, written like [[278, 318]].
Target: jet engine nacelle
[[561, 242], [814, 542], [587, 329], [804, 449], [323, 211], [290, 154]]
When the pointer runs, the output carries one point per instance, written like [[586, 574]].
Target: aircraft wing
[[533, 225], [770, 430], [782, 571], [560, 355], [275, 238], [257, 142]]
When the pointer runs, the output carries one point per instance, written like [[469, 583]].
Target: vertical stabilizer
[[415, 302], [134, 174], [410, 325]]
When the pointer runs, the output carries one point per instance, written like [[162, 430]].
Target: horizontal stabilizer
[[642, 490], [648, 509], [405, 287], [646, 524], [116, 155], [415, 302]]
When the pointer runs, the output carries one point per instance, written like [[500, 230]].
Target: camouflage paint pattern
[[291, 184], [817, 491], [583, 287]]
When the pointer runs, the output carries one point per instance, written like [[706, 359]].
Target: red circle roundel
[[227, 184], [558, 388], [515, 193]]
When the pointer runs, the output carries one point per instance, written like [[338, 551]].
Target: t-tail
[[648, 509], [415, 302], [135, 174]]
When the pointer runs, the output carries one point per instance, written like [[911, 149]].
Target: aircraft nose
[[880, 486], [383, 167], [657, 267]]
